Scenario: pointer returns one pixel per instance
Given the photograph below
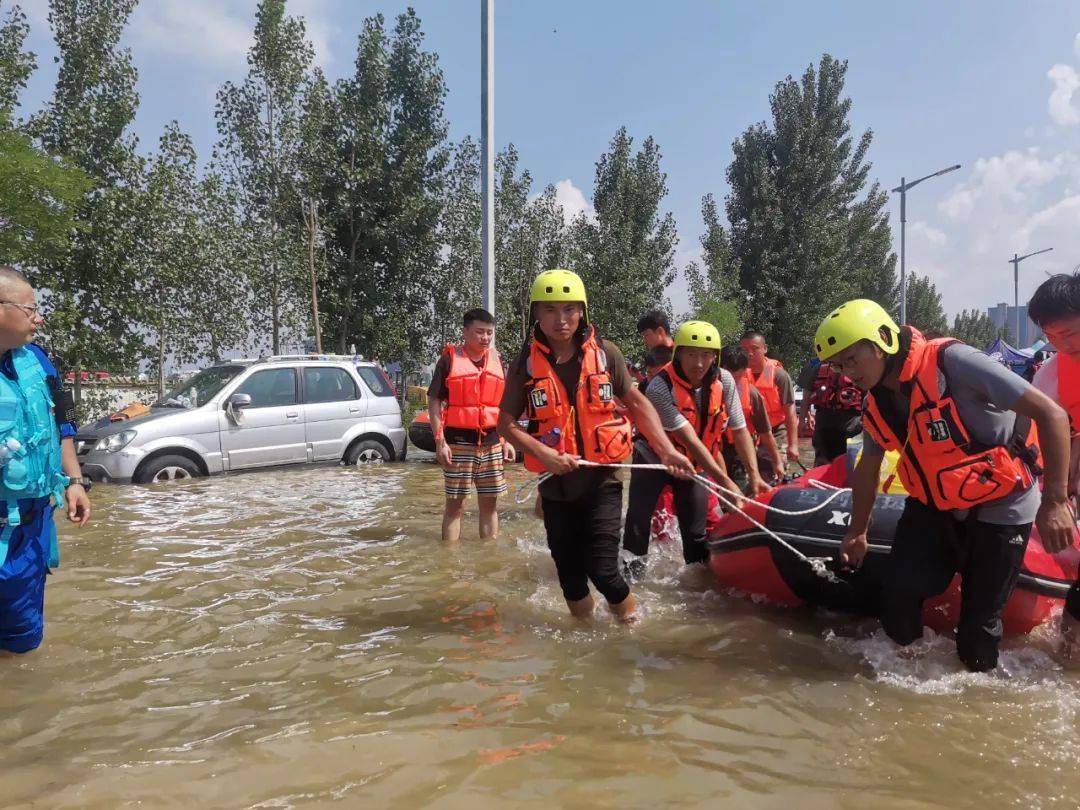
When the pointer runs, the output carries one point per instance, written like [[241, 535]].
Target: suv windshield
[[200, 389]]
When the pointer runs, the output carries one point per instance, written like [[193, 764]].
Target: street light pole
[[487, 148], [1015, 262], [903, 189]]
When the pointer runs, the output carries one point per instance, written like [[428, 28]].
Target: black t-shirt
[[438, 390]]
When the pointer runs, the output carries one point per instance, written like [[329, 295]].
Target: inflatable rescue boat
[[747, 560], [420, 432]]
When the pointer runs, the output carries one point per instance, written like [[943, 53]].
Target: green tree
[[39, 199], [625, 255], [39, 195], [456, 287], [975, 328], [719, 278], [315, 168], [167, 239], [715, 295], [259, 122], [530, 236], [806, 232], [16, 65], [92, 302], [218, 301], [723, 313], [388, 192], [539, 242], [924, 310]]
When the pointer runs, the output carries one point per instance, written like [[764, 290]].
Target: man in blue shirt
[[29, 544]]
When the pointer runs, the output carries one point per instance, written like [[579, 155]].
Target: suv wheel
[[168, 468], [368, 451]]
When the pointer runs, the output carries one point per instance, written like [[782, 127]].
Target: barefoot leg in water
[[581, 608], [626, 611]]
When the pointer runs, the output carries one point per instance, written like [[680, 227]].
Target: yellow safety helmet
[[697, 335], [861, 319], [558, 286]]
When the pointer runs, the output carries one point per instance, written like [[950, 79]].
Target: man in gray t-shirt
[[985, 393], [955, 416], [689, 386]]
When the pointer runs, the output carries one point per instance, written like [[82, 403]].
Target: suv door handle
[[291, 415], [354, 410]]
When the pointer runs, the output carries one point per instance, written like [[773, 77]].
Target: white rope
[[730, 499]]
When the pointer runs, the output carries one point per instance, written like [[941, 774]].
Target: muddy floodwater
[[300, 638]]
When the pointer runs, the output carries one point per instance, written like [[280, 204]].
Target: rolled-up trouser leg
[[920, 566], [992, 560], [601, 513], [568, 543]]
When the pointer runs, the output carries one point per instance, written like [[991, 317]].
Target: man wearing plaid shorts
[[463, 404]]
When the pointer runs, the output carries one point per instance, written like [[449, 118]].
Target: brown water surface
[[301, 638]]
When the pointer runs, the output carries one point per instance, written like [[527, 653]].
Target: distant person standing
[[463, 405], [655, 329], [39, 469], [837, 415], [735, 360], [697, 403], [775, 385]]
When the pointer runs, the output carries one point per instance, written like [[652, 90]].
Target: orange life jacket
[[590, 421], [743, 386], [473, 394], [709, 429], [1068, 385], [834, 391], [940, 464], [766, 384]]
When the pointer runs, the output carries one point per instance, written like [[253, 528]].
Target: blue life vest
[[30, 462]]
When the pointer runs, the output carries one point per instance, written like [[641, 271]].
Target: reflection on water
[[300, 637]]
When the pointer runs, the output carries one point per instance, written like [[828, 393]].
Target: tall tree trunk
[[161, 360], [76, 366], [275, 313], [311, 219]]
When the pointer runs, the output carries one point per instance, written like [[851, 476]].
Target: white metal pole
[[487, 147]]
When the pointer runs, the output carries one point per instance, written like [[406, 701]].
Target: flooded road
[[301, 638]]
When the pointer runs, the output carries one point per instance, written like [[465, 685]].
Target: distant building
[[1003, 316]]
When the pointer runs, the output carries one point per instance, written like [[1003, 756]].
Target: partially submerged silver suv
[[243, 414]]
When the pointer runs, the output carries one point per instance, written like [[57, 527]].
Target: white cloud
[[573, 201], [1063, 110], [215, 33], [1017, 202], [1006, 179], [920, 230], [199, 31]]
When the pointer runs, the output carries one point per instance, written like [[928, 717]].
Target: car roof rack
[[286, 358]]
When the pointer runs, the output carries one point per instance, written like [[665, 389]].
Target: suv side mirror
[[238, 401]]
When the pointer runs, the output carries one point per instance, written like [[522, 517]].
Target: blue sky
[[994, 86]]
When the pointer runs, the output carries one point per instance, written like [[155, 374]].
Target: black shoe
[[634, 568]]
